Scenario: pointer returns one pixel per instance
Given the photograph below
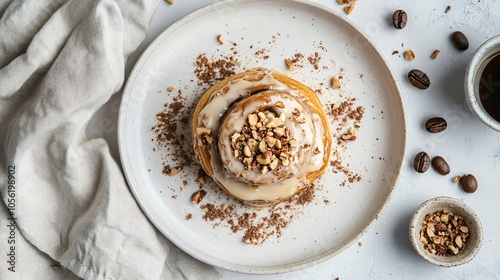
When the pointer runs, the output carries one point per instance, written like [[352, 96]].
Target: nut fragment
[[409, 55], [458, 241], [280, 105], [197, 196], [246, 151], [174, 171], [221, 39], [253, 119], [289, 64], [442, 233], [348, 10], [263, 160], [170, 88], [262, 141], [335, 82], [349, 137], [171, 2], [203, 130], [447, 9], [274, 122], [435, 54]]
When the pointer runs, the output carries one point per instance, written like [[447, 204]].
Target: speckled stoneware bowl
[[483, 53], [457, 207]]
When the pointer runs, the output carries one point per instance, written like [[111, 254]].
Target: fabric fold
[[72, 201]]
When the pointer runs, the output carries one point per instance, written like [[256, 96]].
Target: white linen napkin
[[60, 61]]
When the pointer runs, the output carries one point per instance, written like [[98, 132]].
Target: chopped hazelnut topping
[[201, 179], [171, 2], [264, 141], [197, 196], [203, 130], [170, 88], [174, 171]]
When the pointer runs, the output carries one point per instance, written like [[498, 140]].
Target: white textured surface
[[467, 144], [351, 208]]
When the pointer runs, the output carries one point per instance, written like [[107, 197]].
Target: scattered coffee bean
[[419, 79], [468, 183], [440, 165], [399, 19], [460, 40], [422, 162], [435, 125]]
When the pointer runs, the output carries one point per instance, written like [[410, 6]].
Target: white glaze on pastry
[[309, 132]]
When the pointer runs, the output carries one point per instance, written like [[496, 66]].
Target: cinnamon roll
[[261, 136]]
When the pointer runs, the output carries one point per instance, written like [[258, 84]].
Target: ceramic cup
[[455, 206], [472, 79]]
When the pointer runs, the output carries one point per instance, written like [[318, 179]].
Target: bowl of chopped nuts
[[446, 232]]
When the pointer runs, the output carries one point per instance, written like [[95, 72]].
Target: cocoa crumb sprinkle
[[210, 71], [256, 228], [171, 133]]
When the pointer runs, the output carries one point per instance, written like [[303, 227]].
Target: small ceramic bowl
[[457, 207], [483, 53]]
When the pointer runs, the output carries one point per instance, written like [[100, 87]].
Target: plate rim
[[130, 178]]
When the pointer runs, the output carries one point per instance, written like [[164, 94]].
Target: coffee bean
[[468, 183], [419, 79], [435, 125], [460, 40], [440, 165], [399, 19], [422, 162]]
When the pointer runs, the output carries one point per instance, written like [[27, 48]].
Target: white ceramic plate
[[282, 28]]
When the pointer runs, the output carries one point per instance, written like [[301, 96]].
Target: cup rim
[[488, 47]]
